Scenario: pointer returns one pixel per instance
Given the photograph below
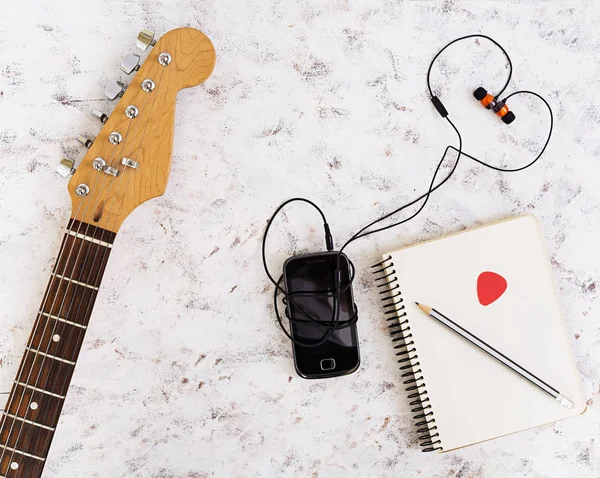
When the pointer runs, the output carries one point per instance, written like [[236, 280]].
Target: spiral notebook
[[495, 281]]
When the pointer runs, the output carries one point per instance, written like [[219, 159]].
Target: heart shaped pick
[[490, 287]]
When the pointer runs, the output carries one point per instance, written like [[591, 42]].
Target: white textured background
[[184, 372]]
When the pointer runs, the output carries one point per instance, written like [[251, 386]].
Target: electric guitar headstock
[[130, 159]]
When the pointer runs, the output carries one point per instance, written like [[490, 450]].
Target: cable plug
[[337, 279], [328, 237]]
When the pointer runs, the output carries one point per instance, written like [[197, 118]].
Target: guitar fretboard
[[38, 393]]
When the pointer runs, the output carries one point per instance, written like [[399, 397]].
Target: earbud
[[491, 103]]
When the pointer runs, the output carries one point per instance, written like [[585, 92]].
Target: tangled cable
[[335, 324]]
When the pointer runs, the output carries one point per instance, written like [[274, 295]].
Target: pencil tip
[[424, 308]]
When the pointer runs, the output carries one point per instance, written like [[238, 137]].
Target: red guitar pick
[[490, 287]]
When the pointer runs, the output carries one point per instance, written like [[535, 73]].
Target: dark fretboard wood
[[38, 393]]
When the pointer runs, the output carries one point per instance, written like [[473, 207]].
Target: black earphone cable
[[460, 152], [328, 238], [425, 196], [339, 288], [336, 294], [476, 35]]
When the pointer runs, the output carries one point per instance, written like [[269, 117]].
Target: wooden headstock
[[146, 139]]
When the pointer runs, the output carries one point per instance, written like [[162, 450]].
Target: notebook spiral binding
[[408, 359]]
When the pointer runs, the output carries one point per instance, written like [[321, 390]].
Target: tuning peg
[[145, 39], [130, 63], [98, 114], [114, 89], [66, 167], [84, 141]]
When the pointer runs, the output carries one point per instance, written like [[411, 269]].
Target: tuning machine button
[[114, 89], [130, 63], [145, 39], [66, 167], [100, 165], [84, 141], [98, 114]]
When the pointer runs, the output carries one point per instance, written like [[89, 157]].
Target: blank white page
[[474, 397]]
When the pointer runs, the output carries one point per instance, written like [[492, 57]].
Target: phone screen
[[339, 354]]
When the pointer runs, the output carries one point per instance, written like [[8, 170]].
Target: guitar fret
[[63, 320], [82, 260], [35, 389], [46, 410], [14, 417], [90, 239], [57, 339], [69, 301], [21, 452], [73, 281], [53, 357]]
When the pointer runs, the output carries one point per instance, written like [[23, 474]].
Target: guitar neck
[[38, 393]]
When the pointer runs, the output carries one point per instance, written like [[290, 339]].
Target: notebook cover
[[474, 398]]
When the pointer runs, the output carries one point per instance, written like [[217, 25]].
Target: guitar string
[[36, 324], [80, 333], [96, 227], [53, 280], [129, 138], [59, 313], [67, 234], [20, 371], [106, 252]]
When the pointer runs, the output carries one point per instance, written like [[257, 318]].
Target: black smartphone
[[339, 354]]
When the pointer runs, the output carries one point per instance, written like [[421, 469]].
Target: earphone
[[489, 101]]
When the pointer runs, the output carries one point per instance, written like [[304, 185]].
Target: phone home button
[[327, 364]]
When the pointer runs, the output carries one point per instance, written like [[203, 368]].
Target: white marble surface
[[184, 372]]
